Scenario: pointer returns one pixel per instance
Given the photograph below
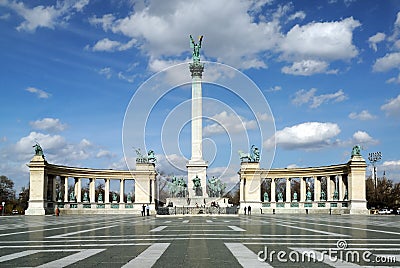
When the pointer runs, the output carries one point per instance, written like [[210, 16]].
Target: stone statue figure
[[335, 195], [59, 196], [129, 198], [196, 48], [280, 197], [323, 196], [114, 197], [255, 154], [356, 151], [197, 185], [308, 195], [38, 149], [345, 195], [85, 197], [244, 157], [100, 198], [72, 196], [266, 198], [295, 196], [151, 158]]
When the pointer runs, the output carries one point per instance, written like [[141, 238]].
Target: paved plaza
[[200, 241]]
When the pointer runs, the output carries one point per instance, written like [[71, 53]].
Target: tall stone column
[[288, 190], [78, 190], [303, 190], [328, 189], [273, 190], [153, 191], [66, 189], [92, 190], [107, 191], [196, 166], [121, 190], [242, 189], [317, 188], [340, 187]]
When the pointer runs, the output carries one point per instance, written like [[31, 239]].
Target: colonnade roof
[[302, 172], [79, 172]]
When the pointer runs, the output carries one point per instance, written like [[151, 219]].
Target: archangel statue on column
[[196, 48]]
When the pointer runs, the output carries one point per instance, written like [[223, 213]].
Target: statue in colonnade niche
[[335, 195], [100, 198], [266, 198], [308, 195], [280, 197], [295, 196], [323, 196], [114, 197], [72, 196], [85, 197], [345, 195], [129, 198]]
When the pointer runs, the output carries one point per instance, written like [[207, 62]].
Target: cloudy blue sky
[[329, 71]]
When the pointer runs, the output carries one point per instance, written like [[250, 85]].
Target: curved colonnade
[[44, 194], [343, 188]]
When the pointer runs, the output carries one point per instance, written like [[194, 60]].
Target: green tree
[[7, 192]]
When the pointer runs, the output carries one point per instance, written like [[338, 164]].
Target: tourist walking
[[143, 210], [245, 208], [148, 209], [249, 210]]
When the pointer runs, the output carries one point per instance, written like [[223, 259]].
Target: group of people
[[145, 210], [248, 209]]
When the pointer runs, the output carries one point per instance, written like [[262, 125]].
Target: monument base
[[197, 202]]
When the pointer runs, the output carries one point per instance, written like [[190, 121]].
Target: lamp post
[[373, 158]]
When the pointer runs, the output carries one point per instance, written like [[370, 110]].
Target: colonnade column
[[121, 190], [65, 189], [328, 188], [153, 191], [79, 191], [317, 188], [302, 190], [92, 190], [340, 186], [242, 190], [288, 190], [273, 190], [107, 191]]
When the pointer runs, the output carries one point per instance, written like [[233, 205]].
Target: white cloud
[[230, 123], [275, 88], [321, 40], [392, 107], [375, 39], [48, 124], [298, 15], [106, 45], [41, 94], [391, 165], [45, 16], [307, 67], [363, 115], [106, 71], [388, 62], [309, 135], [362, 137], [104, 153], [302, 97], [162, 30]]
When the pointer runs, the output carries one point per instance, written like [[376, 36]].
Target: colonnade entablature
[[51, 187], [325, 189]]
